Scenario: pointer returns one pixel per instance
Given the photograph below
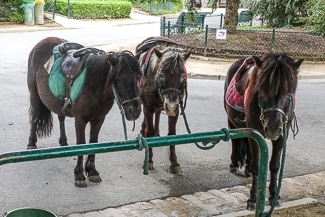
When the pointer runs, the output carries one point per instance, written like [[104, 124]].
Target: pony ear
[[112, 59], [258, 61], [187, 55], [298, 63], [158, 53]]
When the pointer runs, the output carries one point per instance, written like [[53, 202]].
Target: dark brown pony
[[163, 87], [105, 71], [260, 94]]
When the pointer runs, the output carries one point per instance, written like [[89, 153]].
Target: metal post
[[206, 40], [221, 18], [273, 39]]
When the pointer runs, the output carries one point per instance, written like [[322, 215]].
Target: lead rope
[[142, 143], [118, 101], [204, 147], [276, 197]]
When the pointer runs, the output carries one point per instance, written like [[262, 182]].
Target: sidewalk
[[227, 202]]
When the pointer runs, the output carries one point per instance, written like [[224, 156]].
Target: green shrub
[[95, 9], [16, 17]]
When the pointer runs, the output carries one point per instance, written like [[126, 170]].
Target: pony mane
[[172, 58], [277, 76], [96, 78]]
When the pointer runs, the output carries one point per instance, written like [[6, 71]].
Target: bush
[[95, 9], [12, 11]]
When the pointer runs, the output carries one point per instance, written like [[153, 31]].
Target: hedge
[[95, 9]]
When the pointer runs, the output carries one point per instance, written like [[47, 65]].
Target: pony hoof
[[31, 147], [234, 169], [248, 173], [277, 204], [95, 179], [251, 205], [80, 183], [150, 167], [174, 169]]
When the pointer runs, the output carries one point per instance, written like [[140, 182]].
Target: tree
[[315, 19], [231, 16], [277, 13]]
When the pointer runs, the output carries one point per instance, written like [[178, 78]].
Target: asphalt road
[[49, 184]]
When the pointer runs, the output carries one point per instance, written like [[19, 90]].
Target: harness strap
[[146, 61]]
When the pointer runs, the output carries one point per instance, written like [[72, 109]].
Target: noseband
[[181, 92], [119, 102], [283, 113]]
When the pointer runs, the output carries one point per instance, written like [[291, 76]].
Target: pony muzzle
[[132, 108]]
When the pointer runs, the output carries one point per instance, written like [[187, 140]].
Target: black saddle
[[153, 41], [74, 56], [73, 61]]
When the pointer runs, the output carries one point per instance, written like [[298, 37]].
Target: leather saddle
[[154, 41], [74, 57], [73, 61], [242, 75]]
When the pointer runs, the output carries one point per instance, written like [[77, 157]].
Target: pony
[[163, 88], [107, 74], [259, 93]]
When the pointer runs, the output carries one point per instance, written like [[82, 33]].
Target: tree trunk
[[231, 16]]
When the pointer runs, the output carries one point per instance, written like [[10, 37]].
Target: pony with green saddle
[[75, 81]]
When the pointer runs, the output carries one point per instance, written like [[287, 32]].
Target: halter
[[283, 113], [120, 104], [181, 92]]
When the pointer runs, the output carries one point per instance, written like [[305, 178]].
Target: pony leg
[[174, 167], [157, 121], [79, 178], [148, 131], [254, 149], [63, 137], [92, 173], [274, 168], [235, 156]]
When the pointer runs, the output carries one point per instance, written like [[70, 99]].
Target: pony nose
[[132, 112], [171, 109], [272, 134]]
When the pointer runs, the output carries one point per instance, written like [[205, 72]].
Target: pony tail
[[44, 121]]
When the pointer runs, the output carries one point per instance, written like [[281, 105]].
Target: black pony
[[260, 94], [107, 74], [163, 87]]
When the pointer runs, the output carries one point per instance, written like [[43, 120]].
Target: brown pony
[[105, 72], [260, 94], [163, 87]]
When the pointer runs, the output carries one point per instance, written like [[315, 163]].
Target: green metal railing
[[144, 143]]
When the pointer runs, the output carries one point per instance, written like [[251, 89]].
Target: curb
[[285, 205], [226, 202]]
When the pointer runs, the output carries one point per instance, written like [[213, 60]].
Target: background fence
[[201, 38]]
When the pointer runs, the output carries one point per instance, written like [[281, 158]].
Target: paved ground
[[215, 202]]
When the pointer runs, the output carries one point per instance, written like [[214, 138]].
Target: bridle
[[121, 104], [283, 113], [181, 92]]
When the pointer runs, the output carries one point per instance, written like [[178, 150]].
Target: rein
[[204, 145], [120, 104], [284, 143]]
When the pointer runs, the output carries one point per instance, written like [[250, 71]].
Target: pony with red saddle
[[259, 93], [75, 81]]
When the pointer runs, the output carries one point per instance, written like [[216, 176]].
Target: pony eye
[[117, 81], [161, 76]]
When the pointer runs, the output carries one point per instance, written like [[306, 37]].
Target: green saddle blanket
[[57, 81]]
